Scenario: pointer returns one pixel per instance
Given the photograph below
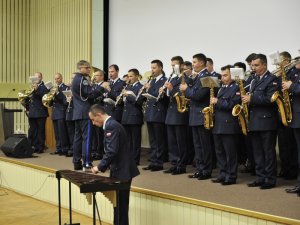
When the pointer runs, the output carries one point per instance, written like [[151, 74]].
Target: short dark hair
[[125, 75], [210, 60], [262, 57], [188, 63], [134, 71], [115, 67], [177, 58], [82, 63], [240, 65], [96, 108], [250, 57], [226, 67], [158, 62], [201, 57], [286, 55]]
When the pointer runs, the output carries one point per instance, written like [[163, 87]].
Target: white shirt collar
[[135, 83], [158, 77], [105, 122]]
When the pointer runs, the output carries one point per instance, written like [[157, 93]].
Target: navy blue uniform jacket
[[82, 93], [263, 113], [36, 107], [59, 107], [117, 153], [295, 90], [199, 97], [225, 122], [132, 112]]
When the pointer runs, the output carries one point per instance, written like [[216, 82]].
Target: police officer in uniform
[[59, 117], [200, 98], [226, 128], [155, 115], [37, 115], [82, 94], [132, 118], [176, 122], [113, 91], [293, 86], [117, 157], [263, 123], [210, 68]]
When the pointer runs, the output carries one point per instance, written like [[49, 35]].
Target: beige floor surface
[[16, 209]]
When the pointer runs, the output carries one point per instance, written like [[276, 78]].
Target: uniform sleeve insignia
[[108, 134], [237, 93], [275, 83], [85, 82]]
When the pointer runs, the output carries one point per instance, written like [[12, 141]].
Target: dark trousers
[[297, 137], [203, 149], [71, 134], [61, 135], [177, 144], [190, 146], [287, 151], [36, 133], [82, 143], [134, 135], [121, 216], [264, 143], [98, 137], [226, 147], [158, 143]]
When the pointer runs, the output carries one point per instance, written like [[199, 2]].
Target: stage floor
[[274, 201]]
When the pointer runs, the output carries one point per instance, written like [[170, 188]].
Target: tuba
[[48, 98], [209, 112], [241, 110], [180, 97], [283, 102]]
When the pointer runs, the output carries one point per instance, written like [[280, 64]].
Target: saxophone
[[209, 112], [180, 97], [283, 102], [241, 110]]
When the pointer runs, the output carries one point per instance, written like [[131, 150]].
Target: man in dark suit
[[37, 115], [226, 128], [59, 117], [199, 97], [263, 123], [293, 86], [82, 94], [155, 115], [177, 122], [113, 91], [117, 156], [132, 118], [210, 68]]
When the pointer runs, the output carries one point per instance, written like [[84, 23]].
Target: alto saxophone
[[241, 110], [209, 112], [180, 97], [283, 102]]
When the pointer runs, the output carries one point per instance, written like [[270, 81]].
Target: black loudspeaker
[[18, 147]]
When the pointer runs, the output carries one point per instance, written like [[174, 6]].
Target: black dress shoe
[[228, 182], [55, 153], [218, 180], [195, 175], [77, 167], [170, 170], [69, 154], [178, 171], [255, 184], [157, 168], [293, 190], [148, 167], [267, 186], [204, 176]]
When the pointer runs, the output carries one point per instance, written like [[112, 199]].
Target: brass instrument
[[278, 72], [180, 97], [241, 110], [283, 102], [48, 98], [209, 111], [24, 96]]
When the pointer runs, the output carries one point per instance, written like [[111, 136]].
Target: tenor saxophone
[[209, 112], [241, 110], [180, 97], [283, 102]]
